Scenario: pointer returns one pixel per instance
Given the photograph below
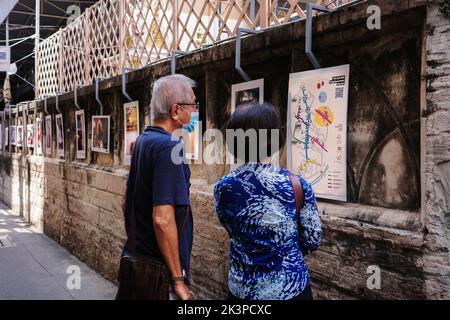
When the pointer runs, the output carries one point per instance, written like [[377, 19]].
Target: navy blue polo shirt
[[155, 179]]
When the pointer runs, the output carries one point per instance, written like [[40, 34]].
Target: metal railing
[[113, 34]]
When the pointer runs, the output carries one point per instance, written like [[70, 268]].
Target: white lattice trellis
[[48, 72], [75, 55], [113, 34]]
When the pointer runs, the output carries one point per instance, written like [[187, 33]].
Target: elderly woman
[[256, 205]]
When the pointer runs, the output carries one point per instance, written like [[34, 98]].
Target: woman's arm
[[310, 227]]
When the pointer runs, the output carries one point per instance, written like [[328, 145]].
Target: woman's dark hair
[[246, 127]]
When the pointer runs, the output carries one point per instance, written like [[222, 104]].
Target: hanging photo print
[[247, 92], [59, 135], [12, 131], [30, 136], [48, 135], [131, 116], [100, 134], [80, 124], [38, 136], [6, 136], [19, 136]]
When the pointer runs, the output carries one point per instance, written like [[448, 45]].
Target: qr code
[[339, 93]]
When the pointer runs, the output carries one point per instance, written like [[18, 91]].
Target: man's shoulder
[[159, 140]]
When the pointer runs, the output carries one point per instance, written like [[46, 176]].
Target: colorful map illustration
[[318, 122]]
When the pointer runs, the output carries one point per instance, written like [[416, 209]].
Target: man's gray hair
[[168, 91]]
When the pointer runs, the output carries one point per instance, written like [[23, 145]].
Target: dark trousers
[[305, 295]]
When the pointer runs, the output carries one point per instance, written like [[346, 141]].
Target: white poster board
[[317, 129], [131, 129]]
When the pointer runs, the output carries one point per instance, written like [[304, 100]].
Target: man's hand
[[181, 290]]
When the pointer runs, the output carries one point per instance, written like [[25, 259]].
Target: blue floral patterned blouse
[[256, 205]]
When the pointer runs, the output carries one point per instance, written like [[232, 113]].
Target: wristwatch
[[179, 278]]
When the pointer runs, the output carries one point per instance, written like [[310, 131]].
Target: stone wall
[[398, 158]]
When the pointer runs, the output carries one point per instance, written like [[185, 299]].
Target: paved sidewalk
[[32, 266]]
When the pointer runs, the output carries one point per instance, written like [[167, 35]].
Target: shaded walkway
[[32, 266]]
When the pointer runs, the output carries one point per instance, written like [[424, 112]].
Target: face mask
[[191, 126]]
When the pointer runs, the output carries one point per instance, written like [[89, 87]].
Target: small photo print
[[131, 114], [12, 133], [100, 133], [48, 135], [19, 136], [59, 135], [38, 135], [30, 136], [6, 136], [80, 134], [247, 92]]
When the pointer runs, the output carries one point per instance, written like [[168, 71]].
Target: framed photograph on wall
[[30, 135], [38, 136], [59, 135], [131, 116], [12, 133], [19, 136], [48, 135], [6, 136], [246, 92], [80, 124], [100, 133], [193, 143]]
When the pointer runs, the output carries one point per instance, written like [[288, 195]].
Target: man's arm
[[167, 237]]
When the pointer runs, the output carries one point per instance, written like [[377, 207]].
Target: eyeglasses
[[196, 105]]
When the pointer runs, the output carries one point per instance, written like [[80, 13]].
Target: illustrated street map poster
[[317, 124]]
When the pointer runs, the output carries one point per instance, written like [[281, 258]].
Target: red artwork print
[[318, 85]]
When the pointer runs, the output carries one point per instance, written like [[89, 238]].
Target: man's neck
[[167, 125]]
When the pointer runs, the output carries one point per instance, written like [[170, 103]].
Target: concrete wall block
[[112, 224]]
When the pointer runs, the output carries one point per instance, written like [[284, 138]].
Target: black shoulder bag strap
[[298, 193]]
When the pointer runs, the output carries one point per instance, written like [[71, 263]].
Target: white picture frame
[[193, 148], [19, 136], [59, 124], [30, 135], [80, 134], [100, 134], [48, 135], [131, 128], [12, 134], [38, 136], [6, 136], [253, 88]]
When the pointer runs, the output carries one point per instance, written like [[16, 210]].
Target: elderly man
[[157, 195]]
